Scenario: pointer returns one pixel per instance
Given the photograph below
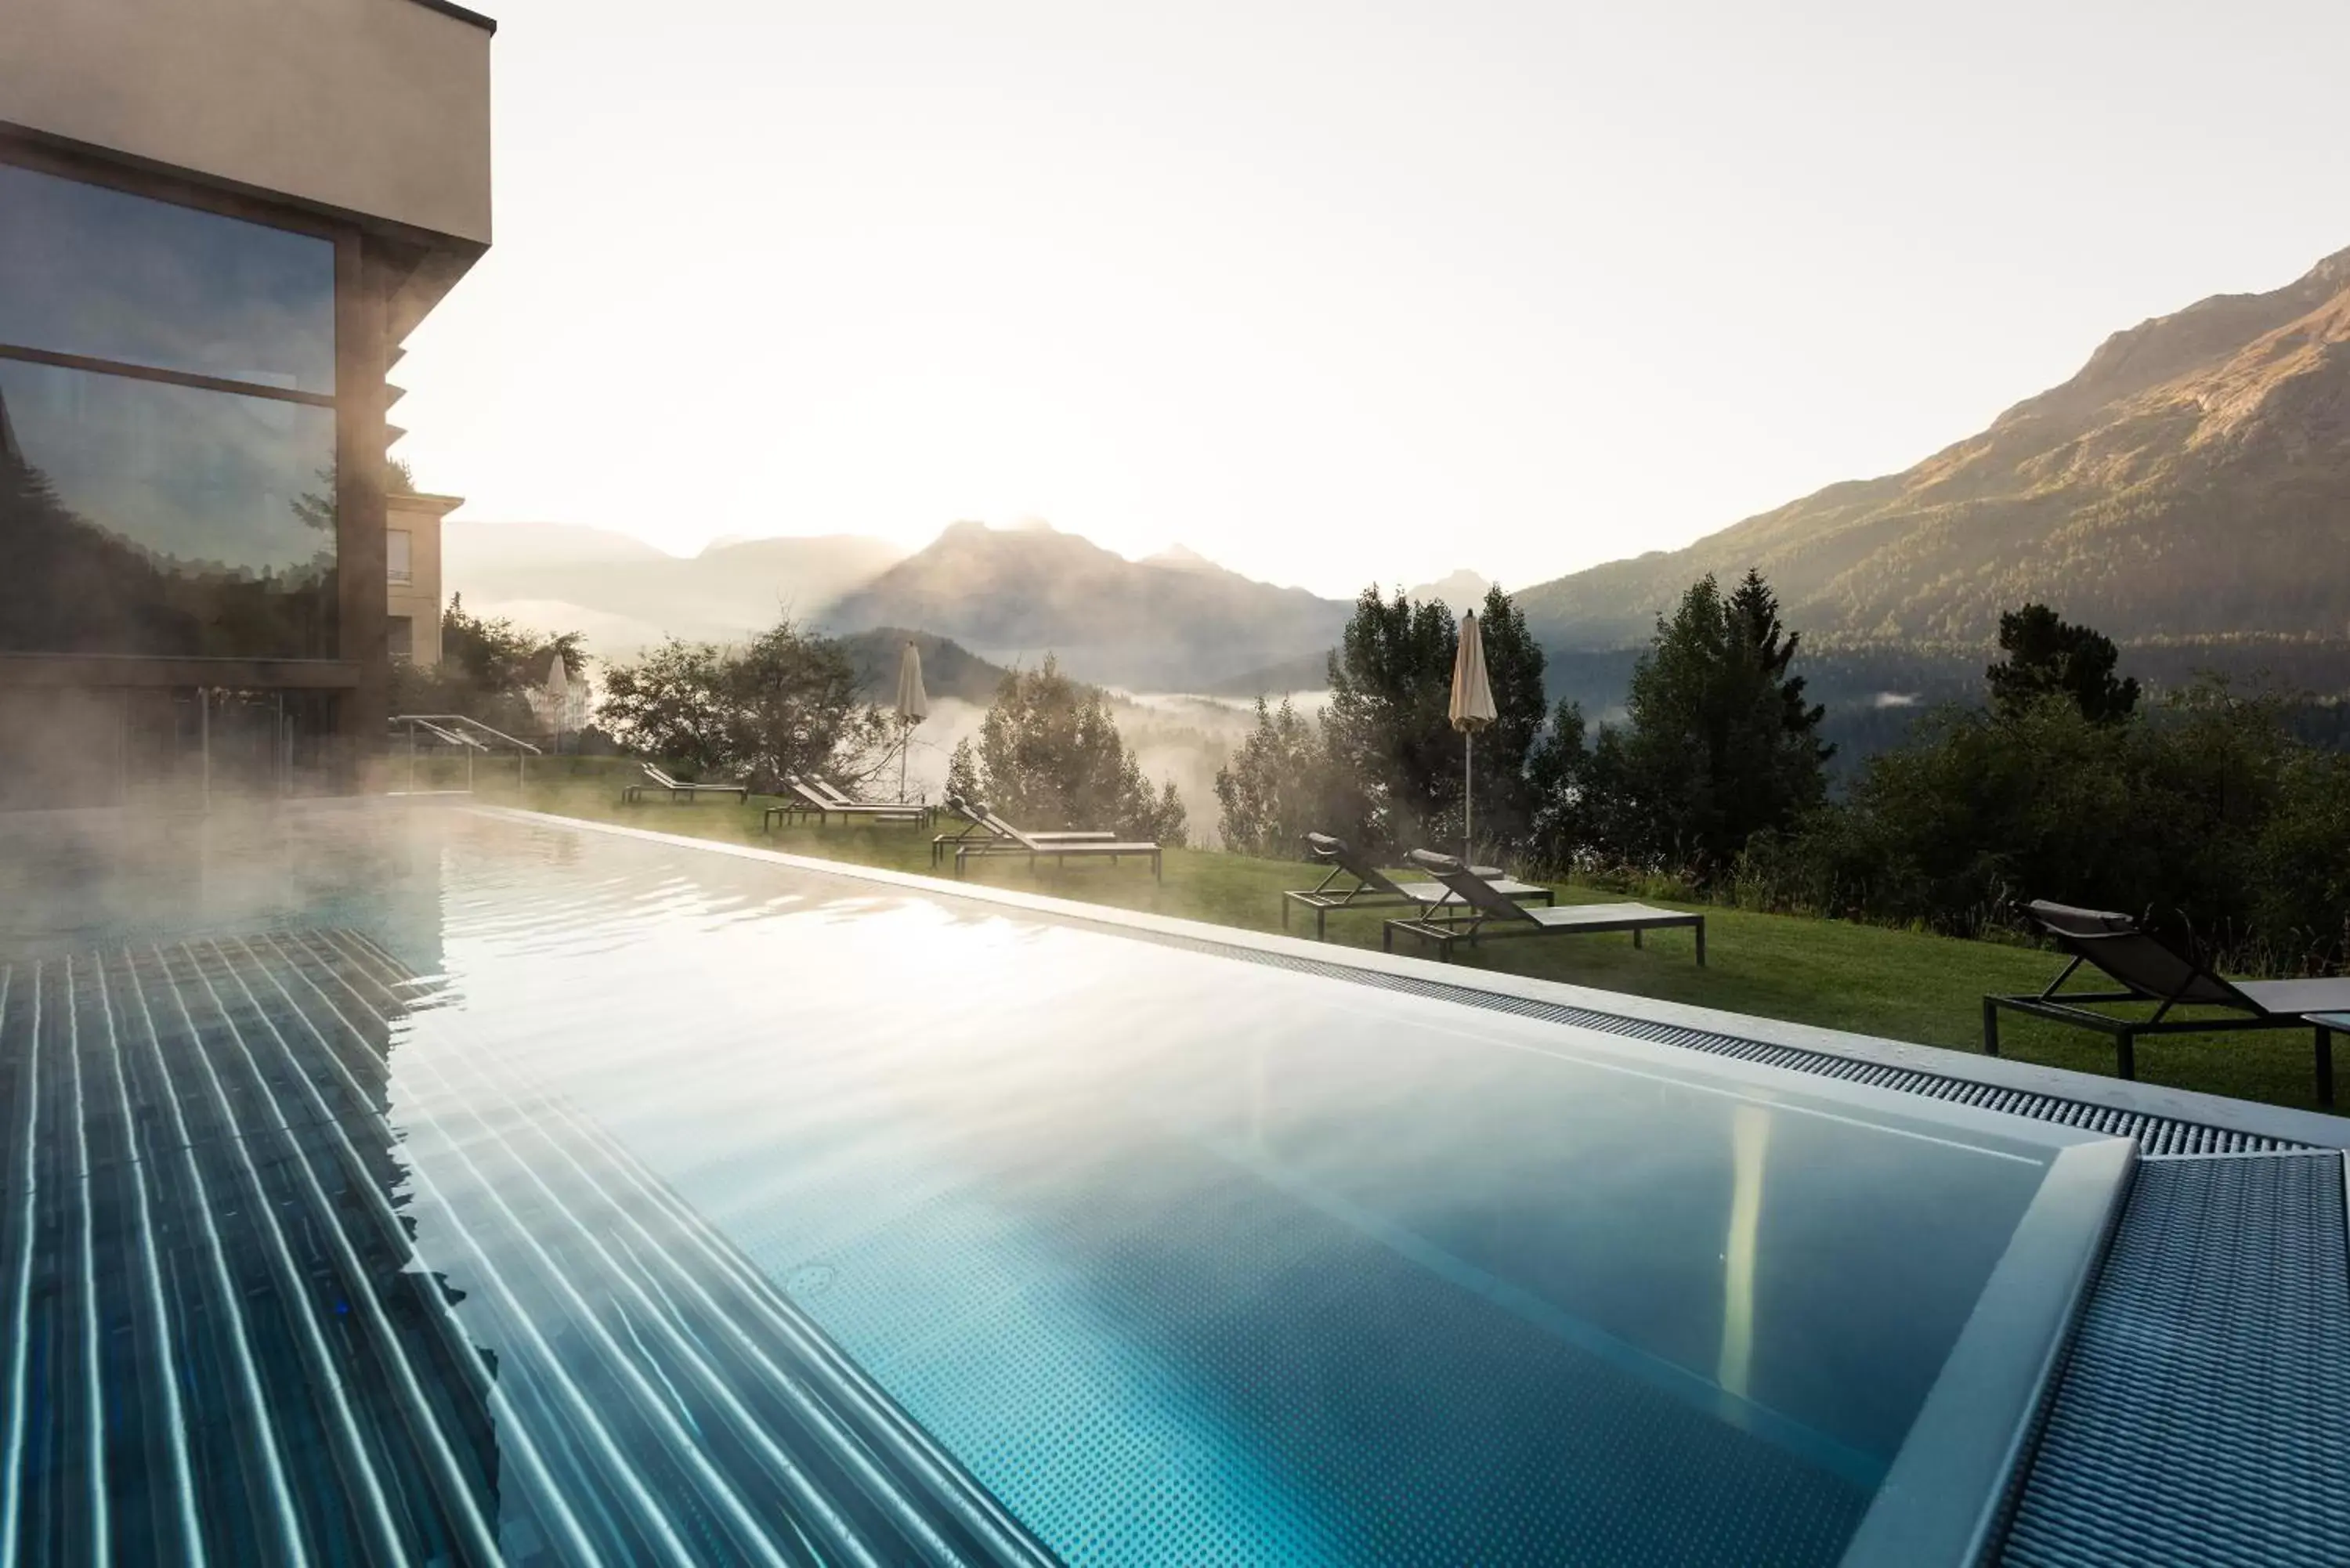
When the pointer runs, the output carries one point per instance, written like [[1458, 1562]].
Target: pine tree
[[1719, 742], [2047, 657]]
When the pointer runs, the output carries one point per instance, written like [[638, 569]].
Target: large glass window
[[167, 428], [137, 517], [399, 567], [108, 276]]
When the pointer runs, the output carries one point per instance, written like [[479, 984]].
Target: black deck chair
[[1494, 913], [1375, 890], [2148, 969]]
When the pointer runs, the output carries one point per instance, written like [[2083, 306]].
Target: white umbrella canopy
[[1472, 709], [553, 699], [913, 702], [913, 707], [1473, 694]]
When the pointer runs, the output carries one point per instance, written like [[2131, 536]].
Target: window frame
[[177, 193], [361, 355]]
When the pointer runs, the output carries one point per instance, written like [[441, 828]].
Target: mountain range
[[1012, 596], [1174, 621], [2192, 481], [2188, 493], [626, 594]]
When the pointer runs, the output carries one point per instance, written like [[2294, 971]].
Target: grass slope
[[1904, 985]]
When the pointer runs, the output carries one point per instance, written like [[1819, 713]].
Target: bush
[[2301, 868], [2204, 818]]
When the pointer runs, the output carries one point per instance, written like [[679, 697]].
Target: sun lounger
[[1375, 890], [804, 800], [1494, 913], [980, 833], [677, 789], [839, 796], [2150, 970], [1010, 840]]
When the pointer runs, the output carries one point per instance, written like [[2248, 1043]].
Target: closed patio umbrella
[[555, 697], [913, 707], [1472, 709]]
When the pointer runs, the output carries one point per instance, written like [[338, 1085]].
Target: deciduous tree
[[786, 703], [490, 669], [1277, 788], [1049, 756]]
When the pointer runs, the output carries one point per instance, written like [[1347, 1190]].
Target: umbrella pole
[[905, 745], [1468, 798]]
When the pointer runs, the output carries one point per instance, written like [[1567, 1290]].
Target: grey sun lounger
[[2150, 970], [677, 789], [840, 797], [805, 801], [1010, 840], [1375, 890], [1494, 913], [981, 834]]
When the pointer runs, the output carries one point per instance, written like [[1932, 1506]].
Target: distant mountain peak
[[1460, 589], [1009, 595], [1181, 558]]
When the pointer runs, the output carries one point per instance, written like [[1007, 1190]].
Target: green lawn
[[1902, 984]]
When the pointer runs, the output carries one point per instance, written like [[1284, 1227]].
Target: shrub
[[2204, 818]]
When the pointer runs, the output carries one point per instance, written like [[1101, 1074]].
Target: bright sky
[[1333, 292]]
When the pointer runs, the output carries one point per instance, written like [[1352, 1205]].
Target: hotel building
[[218, 223]]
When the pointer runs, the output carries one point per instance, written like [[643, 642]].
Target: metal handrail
[[468, 723], [457, 730], [453, 737]]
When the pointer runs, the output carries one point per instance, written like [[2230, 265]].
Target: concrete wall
[[375, 108], [419, 598]]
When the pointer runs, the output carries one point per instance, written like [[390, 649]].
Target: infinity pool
[[395, 1185]]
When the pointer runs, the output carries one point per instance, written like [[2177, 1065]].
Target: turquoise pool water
[[389, 1185]]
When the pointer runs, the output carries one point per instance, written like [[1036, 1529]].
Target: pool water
[[398, 1185]]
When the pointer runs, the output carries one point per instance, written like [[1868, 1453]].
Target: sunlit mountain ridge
[[2192, 481]]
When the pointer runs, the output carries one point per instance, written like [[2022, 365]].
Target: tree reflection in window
[[137, 518]]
